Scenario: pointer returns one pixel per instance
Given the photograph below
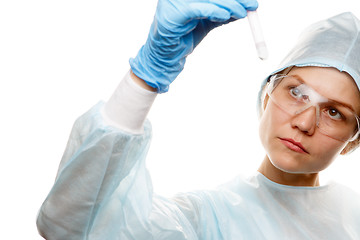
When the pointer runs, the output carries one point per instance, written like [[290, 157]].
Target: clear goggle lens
[[332, 118]]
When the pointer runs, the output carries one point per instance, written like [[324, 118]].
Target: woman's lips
[[293, 145]]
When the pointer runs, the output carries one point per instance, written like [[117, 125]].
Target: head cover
[[334, 42]]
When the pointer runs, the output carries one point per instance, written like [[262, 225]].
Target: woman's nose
[[305, 121]]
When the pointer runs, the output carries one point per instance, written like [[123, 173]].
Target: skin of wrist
[[141, 82]]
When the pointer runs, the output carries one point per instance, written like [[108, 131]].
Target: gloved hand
[[178, 27]]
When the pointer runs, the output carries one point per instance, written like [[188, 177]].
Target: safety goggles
[[332, 118]]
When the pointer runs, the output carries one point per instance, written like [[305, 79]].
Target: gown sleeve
[[103, 190]]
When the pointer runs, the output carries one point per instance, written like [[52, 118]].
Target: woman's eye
[[298, 95], [295, 92], [334, 114]]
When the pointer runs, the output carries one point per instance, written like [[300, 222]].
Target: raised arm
[[102, 189]]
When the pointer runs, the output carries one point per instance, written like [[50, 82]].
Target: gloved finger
[[205, 10], [249, 5], [236, 10]]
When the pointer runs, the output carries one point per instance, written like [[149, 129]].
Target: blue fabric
[[104, 192]]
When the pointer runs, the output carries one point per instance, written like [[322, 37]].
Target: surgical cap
[[334, 42]]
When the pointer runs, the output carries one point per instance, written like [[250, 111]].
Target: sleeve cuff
[[128, 107]]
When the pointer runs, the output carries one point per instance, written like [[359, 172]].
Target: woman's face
[[293, 143]]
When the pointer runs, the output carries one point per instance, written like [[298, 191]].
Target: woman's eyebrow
[[297, 77], [344, 104]]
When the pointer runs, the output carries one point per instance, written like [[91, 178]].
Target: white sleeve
[[128, 107], [103, 189]]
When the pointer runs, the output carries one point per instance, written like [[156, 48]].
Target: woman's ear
[[264, 99], [265, 102], [350, 147]]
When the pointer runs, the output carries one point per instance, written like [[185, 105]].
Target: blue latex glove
[[178, 27]]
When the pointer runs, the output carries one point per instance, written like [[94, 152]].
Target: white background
[[59, 58]]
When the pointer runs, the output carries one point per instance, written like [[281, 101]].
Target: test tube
[[257, 34]]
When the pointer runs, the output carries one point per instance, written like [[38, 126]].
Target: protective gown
[[103, 191]]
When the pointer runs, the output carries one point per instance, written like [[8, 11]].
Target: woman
[[309, 114]]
